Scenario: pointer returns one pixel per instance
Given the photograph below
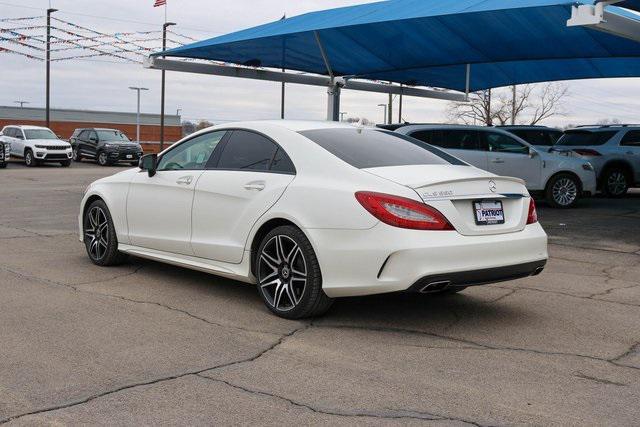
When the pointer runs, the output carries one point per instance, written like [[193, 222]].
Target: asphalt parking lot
[[148, 343]]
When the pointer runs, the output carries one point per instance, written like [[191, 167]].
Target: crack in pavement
[[392, 414], [629, 252], [75, 288], [85, 400], [583, 376], [485, 346]]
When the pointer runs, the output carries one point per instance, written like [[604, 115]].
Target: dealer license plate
[[488, 212], [129, 156]]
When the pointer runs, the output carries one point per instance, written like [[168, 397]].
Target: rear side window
[[631, 139], [247, 151], [282, 163], [584, 137], [456, 139], [363, 148], [537, 137]]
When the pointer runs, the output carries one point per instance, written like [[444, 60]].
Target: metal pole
[[164, 47], [138, 89], [390, 115], [513, 105], [400, 106], [384, 106], [48, 60], [282, 99]]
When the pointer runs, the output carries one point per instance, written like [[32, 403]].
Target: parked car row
[[37, 145]]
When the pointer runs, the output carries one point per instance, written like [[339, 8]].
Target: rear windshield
[[368, 148], [574, 138]]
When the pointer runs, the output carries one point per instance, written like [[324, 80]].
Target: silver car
[[614, 152]]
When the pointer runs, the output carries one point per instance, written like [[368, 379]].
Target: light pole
[[342, 114], [164, 47], [385, 112], [138, 89], [48, 60], [21, 103]]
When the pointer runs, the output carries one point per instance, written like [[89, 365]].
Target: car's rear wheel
[[103, 159], [615, 182], [563, 191], [29, 159], [288, 274], [100, 237]]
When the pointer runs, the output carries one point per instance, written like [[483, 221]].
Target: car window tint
[[84, 134], [247, 151], [363, 148], [282, 163], [9, 132], [112, 135], [499, 143], [534, 137], [574, 138], [424, 136], [192, 154], [39, 134], [632, 138]]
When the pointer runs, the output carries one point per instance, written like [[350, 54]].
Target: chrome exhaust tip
[[438, 286]]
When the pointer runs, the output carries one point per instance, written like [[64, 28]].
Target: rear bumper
[[388, 259], [487, 276]]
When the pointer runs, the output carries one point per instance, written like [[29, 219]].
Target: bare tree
[[524, 105], [203, 124]]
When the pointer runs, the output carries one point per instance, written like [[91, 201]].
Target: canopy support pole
[[333, 102], [467, 83]]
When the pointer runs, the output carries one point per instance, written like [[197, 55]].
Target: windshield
[[364, 148], [112, 135], [575, 138], [39, 134]]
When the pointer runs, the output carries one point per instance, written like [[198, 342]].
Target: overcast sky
[[103, 85]]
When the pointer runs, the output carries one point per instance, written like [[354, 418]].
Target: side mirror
[[149, 163], [532, 153]]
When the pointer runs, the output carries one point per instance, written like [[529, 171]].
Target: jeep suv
[[36, 145], [614, 152], [105, 146], [562, 180]]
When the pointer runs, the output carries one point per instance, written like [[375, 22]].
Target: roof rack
[[614, 125]]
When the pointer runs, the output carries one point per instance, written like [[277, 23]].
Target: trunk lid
[[453, 190]]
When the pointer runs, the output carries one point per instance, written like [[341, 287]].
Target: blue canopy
[[630, 4], [430, 43]]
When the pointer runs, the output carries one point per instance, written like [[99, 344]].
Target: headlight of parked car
[[41, 146]]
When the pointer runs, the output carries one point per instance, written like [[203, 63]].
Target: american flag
[[160, 3]]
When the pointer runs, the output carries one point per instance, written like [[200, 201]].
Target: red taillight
[[587, 152], [402, 212], [532, 218]]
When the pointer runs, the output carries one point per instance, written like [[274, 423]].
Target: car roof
[[25, 127], [527, 127], [602, 128]]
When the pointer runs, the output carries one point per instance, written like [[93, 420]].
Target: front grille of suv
[[57, 148]]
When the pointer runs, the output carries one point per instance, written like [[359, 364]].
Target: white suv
[[562, 180], [36, 145]]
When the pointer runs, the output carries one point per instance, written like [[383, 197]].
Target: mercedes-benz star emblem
[[492, 186]]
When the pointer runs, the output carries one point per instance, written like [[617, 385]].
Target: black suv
[[105, 146], [540, 136]]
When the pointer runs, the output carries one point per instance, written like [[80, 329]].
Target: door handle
[[255, 185], [497, 161], [184, 180]]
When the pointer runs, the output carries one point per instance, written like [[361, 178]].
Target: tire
[[77, 157], [563, 191], [99, 236], [29, 159], [135, 164], [103, 159], [66, 163], [615, 182], [288, 275], [3, 165]]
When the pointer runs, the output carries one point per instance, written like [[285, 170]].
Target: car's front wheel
[[66, 163], [29, 159], [100, 237], [288, 275], [103, 159], [615, 182], [77, 157], [563, 191]]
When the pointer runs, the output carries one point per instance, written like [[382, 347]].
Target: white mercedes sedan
[[312, 211]]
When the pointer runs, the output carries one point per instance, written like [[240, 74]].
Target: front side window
[[247, 151], [631, 139], [499, 143], [39, 134], [192, 154], [576, 138], [364, 148]]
